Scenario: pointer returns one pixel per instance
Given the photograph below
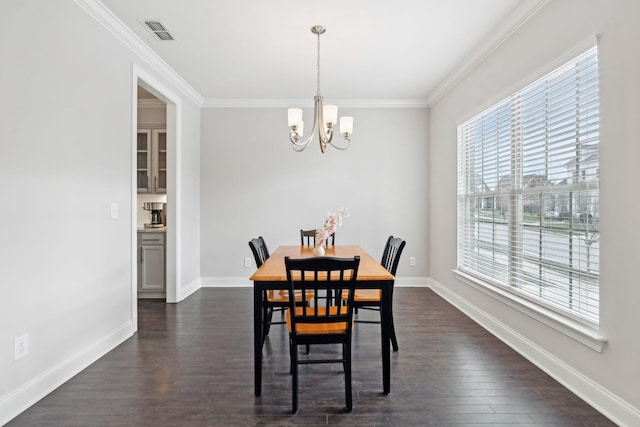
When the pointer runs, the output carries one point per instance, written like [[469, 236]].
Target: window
[[528, 192]]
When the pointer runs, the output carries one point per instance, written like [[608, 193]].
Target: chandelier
[[324, 117]]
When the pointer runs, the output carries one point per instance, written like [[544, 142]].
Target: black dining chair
[[371, 299], [308, 238], [273, 300], [260, 254], [324, 320]]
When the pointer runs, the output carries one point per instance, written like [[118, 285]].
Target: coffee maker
[[156, 210]]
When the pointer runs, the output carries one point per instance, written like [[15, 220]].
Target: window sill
[[569, 327]]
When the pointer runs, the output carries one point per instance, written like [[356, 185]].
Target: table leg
[[257, 338], [386, 324]]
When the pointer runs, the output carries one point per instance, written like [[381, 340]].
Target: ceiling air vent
[[158, 29]]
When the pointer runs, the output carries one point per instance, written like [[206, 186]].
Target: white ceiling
[[372, 50]]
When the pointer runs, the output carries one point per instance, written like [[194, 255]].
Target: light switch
[[114, 211]]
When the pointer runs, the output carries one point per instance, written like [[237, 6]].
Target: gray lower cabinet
[[151, 265]]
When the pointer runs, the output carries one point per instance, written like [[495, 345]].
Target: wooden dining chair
[[371, 299], [308, 238], [260, 254], [324, 320], [273, 300]]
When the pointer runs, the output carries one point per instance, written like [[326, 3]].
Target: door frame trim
[[141, 77]]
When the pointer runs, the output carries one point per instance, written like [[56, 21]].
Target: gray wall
[[66, 136], [612, 376], [253, 183]]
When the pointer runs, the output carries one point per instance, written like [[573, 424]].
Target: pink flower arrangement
[[331, 224]]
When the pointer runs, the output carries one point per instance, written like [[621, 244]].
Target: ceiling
[[372, 50]]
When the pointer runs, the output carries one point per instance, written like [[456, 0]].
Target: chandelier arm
[[326, 136], [323, 136], [341, 148], [299, 146], [294, 137], [296, 143], [317, 122]]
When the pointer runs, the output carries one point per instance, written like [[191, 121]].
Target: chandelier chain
[[318, 89]]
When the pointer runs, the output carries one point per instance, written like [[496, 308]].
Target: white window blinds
[[528, 191]]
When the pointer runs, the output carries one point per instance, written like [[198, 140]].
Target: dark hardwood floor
[[191, 364]]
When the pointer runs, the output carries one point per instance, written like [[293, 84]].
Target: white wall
[[608, 380], [66, 137], [253, 183]]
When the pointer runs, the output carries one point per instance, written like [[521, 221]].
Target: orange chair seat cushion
[[282, 296], [364, 295], [317, 328]]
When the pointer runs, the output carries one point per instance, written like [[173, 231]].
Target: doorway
[[172, 105], [151, 206]]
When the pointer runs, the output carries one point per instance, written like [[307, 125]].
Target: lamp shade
[[294, 116], [346, 125], [330, 114]]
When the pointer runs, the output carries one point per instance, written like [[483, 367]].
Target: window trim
[[577, 330], [581, 330]]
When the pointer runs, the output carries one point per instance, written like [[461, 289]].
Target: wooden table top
[[273, 269]]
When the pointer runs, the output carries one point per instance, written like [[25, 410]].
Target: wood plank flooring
[[191, 364]]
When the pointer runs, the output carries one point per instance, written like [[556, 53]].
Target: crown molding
[[308, 103], [510, 25], [107, 19]]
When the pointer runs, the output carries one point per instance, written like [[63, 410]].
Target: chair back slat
[[308, 238], [260, 252], [391, 255]]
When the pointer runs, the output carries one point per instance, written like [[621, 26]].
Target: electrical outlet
[[412, 261], [20, 346], [247, 262]]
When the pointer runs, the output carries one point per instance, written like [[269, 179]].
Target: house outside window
[[528, 192]]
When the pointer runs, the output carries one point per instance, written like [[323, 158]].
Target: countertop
[[152, 230]]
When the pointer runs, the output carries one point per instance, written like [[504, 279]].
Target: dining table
[[272, 275]]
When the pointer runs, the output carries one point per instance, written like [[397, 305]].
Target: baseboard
[[185, 291], [226, 282], [610, 405], [412, 282], [31, 392]]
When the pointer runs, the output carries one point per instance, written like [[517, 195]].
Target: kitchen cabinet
[[152, 161], [151, 264]]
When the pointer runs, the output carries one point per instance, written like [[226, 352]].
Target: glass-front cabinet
[[152, 161]]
